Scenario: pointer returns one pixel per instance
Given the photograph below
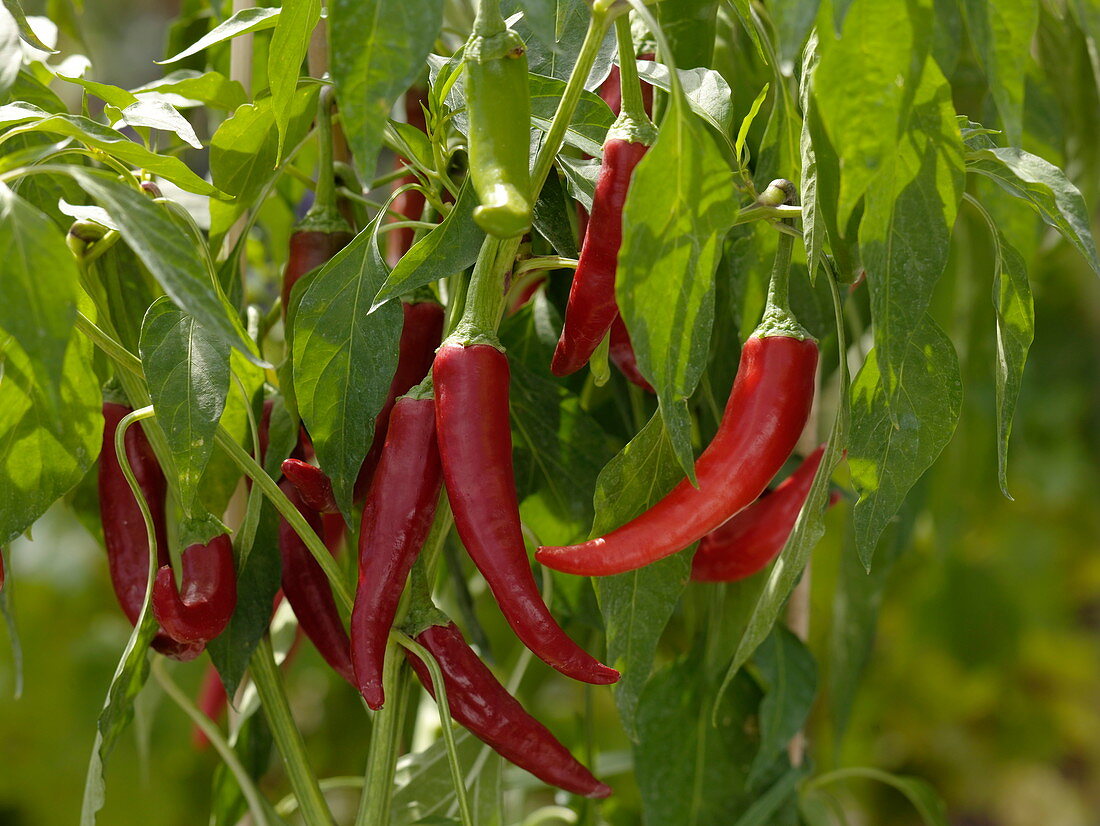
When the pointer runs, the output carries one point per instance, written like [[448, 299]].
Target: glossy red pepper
[[307, 589], [592, 308], [420, 336], [748, 541], [475, 445], [205, 606], [313, 485], [479, 702], [410, 203], [763, 419], [622, 356], [124, 528], [397, 517]]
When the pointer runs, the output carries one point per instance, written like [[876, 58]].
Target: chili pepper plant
[[507, 358]]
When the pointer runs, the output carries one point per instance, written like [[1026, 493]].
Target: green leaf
[[863, 88], [159, 114], [42, 455], [289, 44], [589, 124], [690, 27], [169, 253], [7, 610], [557, 58], [243, 22], [793, 21], [910, 211], [886, 459], [689, 772], [106, 139], [378, 49], [344, 358], [38, 289], [923, 797], [813, 229], [424, 784], [707, 92], [763, 810], [682, 200], [636, 606], [1045, 188], [25, 30], [187, 371], [788, 675], [487, 794], [1001, 33], [185, 86], [448, 249], [11, 52], [244, 154]]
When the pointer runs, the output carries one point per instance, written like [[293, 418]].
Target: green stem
[[629, 84], [374, 804], [256, 802], [779, 285], [324, 199], [598, 24], [288, 739], [486, 296], [488, 19], [544, 262]]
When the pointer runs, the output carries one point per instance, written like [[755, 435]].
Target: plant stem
[[486, 297], [287, 737], [779, 285], [374, 805], [629, 85], [488, 20], [324, 199], [256, 802]]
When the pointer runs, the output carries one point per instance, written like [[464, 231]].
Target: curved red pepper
[[309, 249], [748, 541], [475, 445], [622, 356], [479, 702], [397, 517], [420, 336], [313, 485], [308, 591], [209, 595], [410, 203], [124, 528], [592, 309], [763, 419]]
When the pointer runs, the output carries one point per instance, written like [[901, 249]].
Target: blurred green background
[[984, 678]]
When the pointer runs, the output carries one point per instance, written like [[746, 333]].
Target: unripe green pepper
[[498, 107]]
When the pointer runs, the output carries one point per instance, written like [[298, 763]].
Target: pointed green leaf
[[289, 44], [243, 22]]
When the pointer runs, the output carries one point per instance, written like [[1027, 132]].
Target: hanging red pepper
[[308, 591], [410, 202], [322, 231], [764, 416], [747, 542], [124, 530], [396, 520], [475, 444], [592, 307], [205, 606], [479, 702], [313, 485], [622, 356]]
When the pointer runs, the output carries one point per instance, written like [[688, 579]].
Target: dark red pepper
[[747, 542], [313, 485], [397, 517], [592, 308], [479, 702], [309, 249], [124, 528], [622, 356], [410, 203], [205, 606], [475, 445], [308, 591], [763, 419], [420, 336]]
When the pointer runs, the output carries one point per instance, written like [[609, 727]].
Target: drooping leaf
[[289, 44], [378, 49], [185, 86], [885, 458], [636, 606], [187, 372], [25, 30], [706, 91], [344, 358], [243, 22], [681, 202], [159, 114]]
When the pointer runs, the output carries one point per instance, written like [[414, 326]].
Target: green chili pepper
[[498, 107]]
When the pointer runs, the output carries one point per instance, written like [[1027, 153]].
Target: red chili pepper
[[209, 595], [622, 356], [410, 203], [763, 419], [397, 517], [313, 485], [124, 528], [307, 589], [475, 445], [420, 336], [748, 541], [592, 308], [479, 702], [212, 701]]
